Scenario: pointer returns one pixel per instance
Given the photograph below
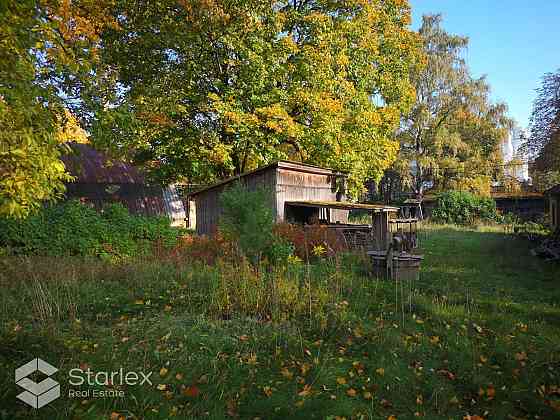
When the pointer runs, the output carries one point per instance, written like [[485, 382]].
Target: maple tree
[[207, 89], [46, 46], [452, 136]]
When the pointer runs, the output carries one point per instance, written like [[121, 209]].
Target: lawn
[[478, 334]]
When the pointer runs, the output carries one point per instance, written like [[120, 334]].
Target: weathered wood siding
[[208, 209], [310, 185], [286, 181]]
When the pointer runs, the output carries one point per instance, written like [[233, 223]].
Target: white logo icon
[[36, 394]]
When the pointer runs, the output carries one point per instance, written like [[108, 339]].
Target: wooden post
[[381, 229]]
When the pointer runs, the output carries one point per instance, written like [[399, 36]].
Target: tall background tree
[[451, 139], [200, 90], [45, 46], [543, 142]]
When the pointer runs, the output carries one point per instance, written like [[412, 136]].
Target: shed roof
[[92, 166], [286, 164], [343, 205]]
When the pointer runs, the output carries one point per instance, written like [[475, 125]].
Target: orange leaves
[[351, 392], [448, 374], [306, 391], [286, 373], [489, 392], [191, 391]]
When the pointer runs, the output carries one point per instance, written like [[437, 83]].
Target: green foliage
[[71, 228], [543, 143], [217, 88], [320, 342], [463, 208], [42, 48], [248, 222], [452, 137]]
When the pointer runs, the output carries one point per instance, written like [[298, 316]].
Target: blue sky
[[513, 42]]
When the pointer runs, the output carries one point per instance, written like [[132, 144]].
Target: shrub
[[203, 249], [307, 240], [463, 208], [247, 221], [72, 228]]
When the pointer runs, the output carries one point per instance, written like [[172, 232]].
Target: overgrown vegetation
[[463, 208], [247, 222], [474, 336], [71, 228]]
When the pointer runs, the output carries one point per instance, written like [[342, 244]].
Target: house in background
[[294, 187], [100, 180], [553, 195]]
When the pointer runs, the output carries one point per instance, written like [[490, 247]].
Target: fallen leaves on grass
[[191, 391], [305, 391], [450, 375]]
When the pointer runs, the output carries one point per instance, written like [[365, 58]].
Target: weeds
[[477, 335]]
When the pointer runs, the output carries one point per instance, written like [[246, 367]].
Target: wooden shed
[[100, 180], [554, 206], [288, 182]]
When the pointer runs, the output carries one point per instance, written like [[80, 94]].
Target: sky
[[513, 42]]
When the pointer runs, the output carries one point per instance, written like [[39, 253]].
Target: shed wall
[[298, 185], [208, 207], [293, 183]]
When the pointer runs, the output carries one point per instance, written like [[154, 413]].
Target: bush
[[311, 241], [71, 228], [463, 208], [247, 221]]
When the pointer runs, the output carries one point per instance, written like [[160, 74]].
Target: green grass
[[477, 334]]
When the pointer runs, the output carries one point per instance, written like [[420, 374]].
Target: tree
[[451, 138], [208, 89], [543, 143], [45, 45]]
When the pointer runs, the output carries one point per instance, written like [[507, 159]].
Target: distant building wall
[[528, 206], [100, 180], [553, 195], [554, 212]]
